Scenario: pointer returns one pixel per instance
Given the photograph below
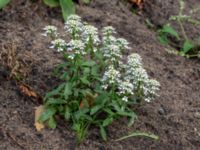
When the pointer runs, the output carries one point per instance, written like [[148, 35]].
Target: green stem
[[182, 29]]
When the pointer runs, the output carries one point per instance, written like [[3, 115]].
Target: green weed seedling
[[97, 86], [188, 47]]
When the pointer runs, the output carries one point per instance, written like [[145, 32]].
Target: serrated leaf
[[103, 133], [68, 8], [3, 3], [52, 123], [51, 3], [107, 121], [187, 46]]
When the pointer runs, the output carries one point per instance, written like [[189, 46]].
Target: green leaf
[[55, 92], [81, 113], [68, 8], [84, 80], [68, 90], [3, 3], [187, 46], [123, 113], [102, 99], [55, 101], [67, 113], [163, 39], [107, 121], [87, 117], [94, 70], [52, 123], [89, 63], [51, 3], [103, 133], [86, 71], [95, 109], [168, 29], [48, 112], [137, 133], [132, 119], [109, 111]]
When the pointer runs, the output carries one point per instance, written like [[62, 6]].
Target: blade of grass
[[137, 133]]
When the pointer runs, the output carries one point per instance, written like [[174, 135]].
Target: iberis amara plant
[[98, 85]]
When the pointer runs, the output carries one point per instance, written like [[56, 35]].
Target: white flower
[[134, 60], [125, 87], [58, 44], [76, 47], [107, 40], [74, 25], [136, 75], [150, 89], [125, 98], [74, 17], [123, 43], [112, 52], [109, 30], [111, 75], [105, 86], [50, 30], [90, 34]]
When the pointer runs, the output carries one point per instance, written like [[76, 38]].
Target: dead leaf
[[137, 2], [90, 100], [38, 112], [26, 90]]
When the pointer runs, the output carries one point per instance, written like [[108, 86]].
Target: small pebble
[[161, 111]]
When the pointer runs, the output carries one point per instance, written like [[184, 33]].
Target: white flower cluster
[[83, 36], [75, 47], [131, 79], [90, 34], [111, 76], [50, 30], [74, 25], [112, 47], [108, 31], [138, 76], [122, 43], [59, 44]]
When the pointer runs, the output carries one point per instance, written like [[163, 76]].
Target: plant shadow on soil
[[174, 116]]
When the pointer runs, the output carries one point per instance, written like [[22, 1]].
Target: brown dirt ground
[[174, 116]]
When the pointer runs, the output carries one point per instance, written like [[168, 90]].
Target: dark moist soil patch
[[174, 116]]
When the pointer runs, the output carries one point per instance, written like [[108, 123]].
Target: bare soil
[[174, 116]]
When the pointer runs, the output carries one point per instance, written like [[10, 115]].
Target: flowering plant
[[98, 85]]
